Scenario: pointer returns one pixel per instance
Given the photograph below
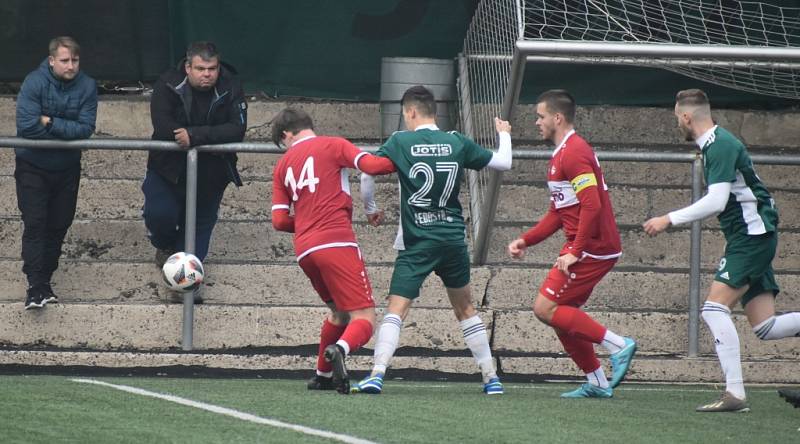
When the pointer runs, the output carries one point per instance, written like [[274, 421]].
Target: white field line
[[230, 412]]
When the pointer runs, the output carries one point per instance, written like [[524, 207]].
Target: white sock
[[777, 327], [345, 346], [613, 342], [598, 378], [478, 342], [386, 342], [726, 342]]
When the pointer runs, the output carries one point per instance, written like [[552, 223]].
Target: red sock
[[581, 352], [575, 322], [329, 335], [357, 333]]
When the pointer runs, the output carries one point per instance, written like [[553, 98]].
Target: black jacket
[[170, 109]]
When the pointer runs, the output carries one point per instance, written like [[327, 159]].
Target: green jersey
[[750, 209], [430, 164]]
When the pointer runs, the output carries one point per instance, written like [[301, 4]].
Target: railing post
[[694, 262], [189, 240]]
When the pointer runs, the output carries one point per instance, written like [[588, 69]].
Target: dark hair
[[290, 119], [559, 101], [692, 97], [67, 42], [204, 50], [420, 98]]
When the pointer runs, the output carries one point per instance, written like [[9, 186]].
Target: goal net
[[489, 48]]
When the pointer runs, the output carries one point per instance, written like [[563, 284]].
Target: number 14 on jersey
[[306, 179]]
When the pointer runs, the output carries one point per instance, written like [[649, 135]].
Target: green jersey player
[[749, 220], [432, 236]]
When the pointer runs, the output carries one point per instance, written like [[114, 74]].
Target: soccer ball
[[182, 272]]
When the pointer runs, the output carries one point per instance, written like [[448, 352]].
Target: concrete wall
[[258, 299]]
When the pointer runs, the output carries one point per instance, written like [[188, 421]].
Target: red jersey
[[579, 203], [312, 176]]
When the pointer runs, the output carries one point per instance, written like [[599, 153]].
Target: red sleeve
[[281, 202], [282, 221], [375, 165], [588, 200], [352, 157], [546, 226]]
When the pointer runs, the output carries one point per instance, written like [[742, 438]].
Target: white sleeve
[[501, 160], [368, 194], [712, 203]]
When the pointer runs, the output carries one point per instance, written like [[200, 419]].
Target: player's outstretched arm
[[501, 160], [548, 225], [712, 203], [374, 165]]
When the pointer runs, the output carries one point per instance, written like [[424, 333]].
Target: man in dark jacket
[[200, 102], [56, 101]]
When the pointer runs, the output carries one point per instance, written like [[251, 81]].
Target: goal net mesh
[[498, 24]]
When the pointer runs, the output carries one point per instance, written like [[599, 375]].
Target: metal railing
[[187, 335]]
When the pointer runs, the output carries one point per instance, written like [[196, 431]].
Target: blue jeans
[[165, 212]]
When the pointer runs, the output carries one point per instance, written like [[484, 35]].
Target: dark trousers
[[165, 212], [47, 201]]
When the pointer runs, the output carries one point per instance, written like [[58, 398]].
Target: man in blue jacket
[[56, 101], [200, 102]]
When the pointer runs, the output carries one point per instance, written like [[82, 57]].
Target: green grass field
[[47, 409]]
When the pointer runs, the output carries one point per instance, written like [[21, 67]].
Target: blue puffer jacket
[[72, 107]]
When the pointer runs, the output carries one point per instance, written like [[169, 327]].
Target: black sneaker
[[162, 255], [335, 355], [35, 298], [320, 383], [48, 297]]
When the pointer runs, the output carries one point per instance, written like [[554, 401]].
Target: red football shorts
[[574, 289], [339, 276]]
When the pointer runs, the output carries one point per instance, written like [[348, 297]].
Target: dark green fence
[[306, 48]]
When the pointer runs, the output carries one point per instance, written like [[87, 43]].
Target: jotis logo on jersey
[[432, 150]]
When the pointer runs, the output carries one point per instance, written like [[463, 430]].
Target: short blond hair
[[66, 42], [696, 100]]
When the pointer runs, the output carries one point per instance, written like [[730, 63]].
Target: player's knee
[[543, 313], [339, 317]]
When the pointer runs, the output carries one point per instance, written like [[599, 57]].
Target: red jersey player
[[580, 205], [312, 177]]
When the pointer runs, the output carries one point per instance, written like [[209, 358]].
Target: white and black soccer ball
[[182, 272]]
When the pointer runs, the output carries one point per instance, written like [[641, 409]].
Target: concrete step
[[675, 369], [217, 327], [515, 289], [523, 203], [105, 164], [226, 284], [655, 333], [130, 117], [498, 288], [220, 327], [667, 250], [125, 240], [633, 205]]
